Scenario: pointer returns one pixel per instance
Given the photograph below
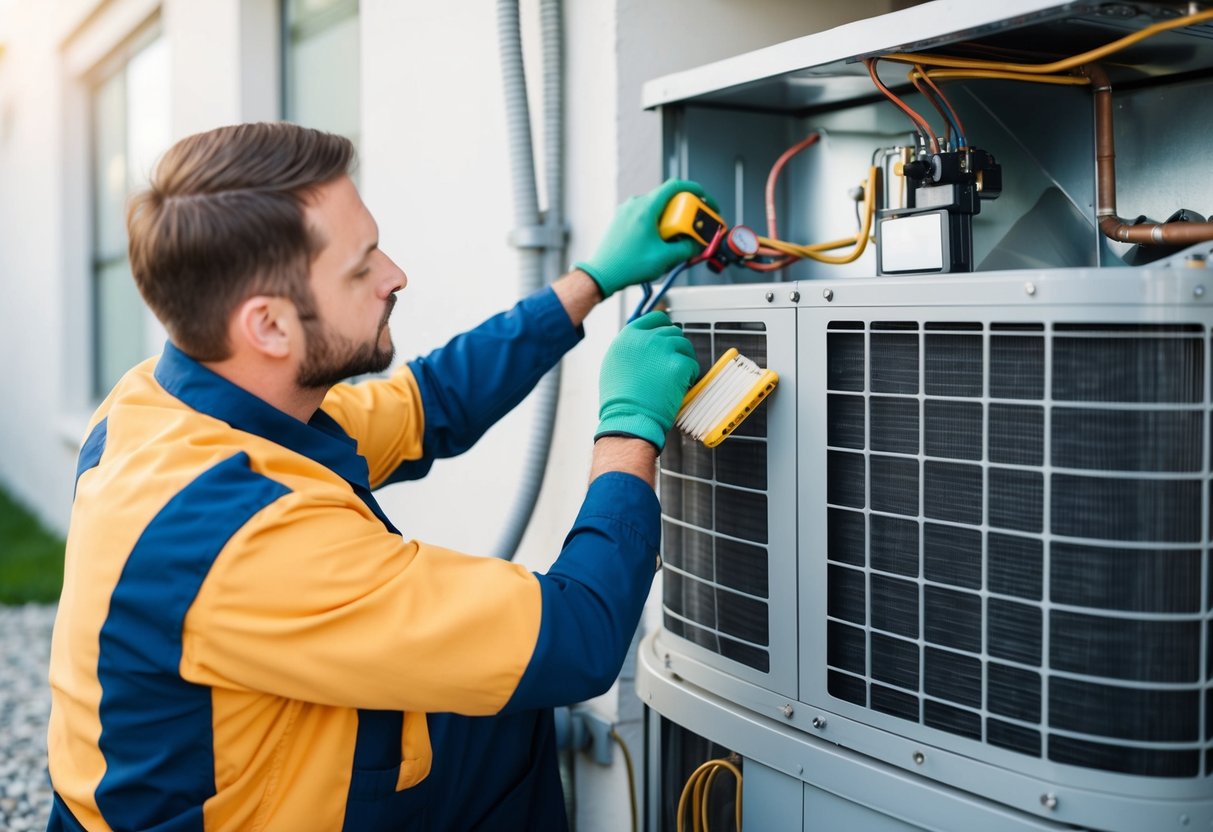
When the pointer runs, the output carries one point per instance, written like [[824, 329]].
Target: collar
[[320, 439]]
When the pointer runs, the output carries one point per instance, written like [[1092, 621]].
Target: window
[[130, 129], [320, 65]]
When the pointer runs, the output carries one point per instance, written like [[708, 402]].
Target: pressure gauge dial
[[742, 242]]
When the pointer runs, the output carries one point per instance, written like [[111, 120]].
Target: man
[[244, 640]]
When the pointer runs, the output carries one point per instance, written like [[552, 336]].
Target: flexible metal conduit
[[540, 247], [1112, 225]]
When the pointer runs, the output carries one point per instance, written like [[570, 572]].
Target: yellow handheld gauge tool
[[687, 214], [734, 386]]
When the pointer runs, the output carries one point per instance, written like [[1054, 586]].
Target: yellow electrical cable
[[1057, 66], [707, 789], [627, 759], [813, 252], [698, 790], [1072, 80]]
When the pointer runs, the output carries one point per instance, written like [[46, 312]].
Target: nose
[[395, 279]]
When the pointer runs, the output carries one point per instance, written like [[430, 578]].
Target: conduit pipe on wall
[[1112, 225], [540, 239]]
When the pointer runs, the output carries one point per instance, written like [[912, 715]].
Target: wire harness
[[698, 790]]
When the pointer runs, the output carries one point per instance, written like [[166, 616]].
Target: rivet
[[770, 297], [1049, 801], [919, 758], [800, 769], [1030, 288], [1184, 820], [828, 294], [668, 662], [1198, 292], [819, 723], [787, 711], [794, 297]]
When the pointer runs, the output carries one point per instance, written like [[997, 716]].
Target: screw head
[[1030, 288], [1049, 801], [770, 296], [794, 297], [919, 758], [828, 294], [819, 723]]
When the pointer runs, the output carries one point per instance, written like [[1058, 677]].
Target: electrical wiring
[[697, 792], [919, 82], [1068, 80], [905, 108], [1062, 65], [926, 69], [860, 240], [627, 759], [951, 115], [649, 299]]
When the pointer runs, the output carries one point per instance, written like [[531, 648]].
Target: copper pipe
[[1112, 225]]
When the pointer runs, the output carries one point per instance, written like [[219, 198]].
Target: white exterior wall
[[434, 171]]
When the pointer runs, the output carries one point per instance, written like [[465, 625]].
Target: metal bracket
[[538, 236], [582, 729]]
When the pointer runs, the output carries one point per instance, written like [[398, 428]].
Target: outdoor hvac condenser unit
[[955, 573]]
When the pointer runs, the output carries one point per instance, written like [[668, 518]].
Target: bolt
[[919, 758], [819, 723], [794, 297], [828, 294], [1049, 801], [1030, 288], [787, 711], [1198, 292], [770, 297]]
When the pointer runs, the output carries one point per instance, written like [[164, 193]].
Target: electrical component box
[[956, 572]]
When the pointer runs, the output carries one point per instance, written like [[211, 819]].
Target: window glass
[[321, 73], [130, 129]]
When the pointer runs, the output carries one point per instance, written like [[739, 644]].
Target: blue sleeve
[[481, 375], [593, 595]]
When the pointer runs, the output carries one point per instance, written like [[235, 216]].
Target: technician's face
[[354, 285]]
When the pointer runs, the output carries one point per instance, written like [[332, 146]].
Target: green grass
[[31, 558]]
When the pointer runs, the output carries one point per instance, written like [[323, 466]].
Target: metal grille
[[714, 522], [1018, 537]]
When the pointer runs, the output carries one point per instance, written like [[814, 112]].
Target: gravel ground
[[25, 646]]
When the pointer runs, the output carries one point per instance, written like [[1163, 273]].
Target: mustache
[[387, 313]]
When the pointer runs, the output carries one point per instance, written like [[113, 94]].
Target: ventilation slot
[[1018, 537], [714, 527]]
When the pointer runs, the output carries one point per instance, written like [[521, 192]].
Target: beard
[[331, 358]]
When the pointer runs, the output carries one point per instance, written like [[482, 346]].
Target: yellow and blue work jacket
[[244, 641]]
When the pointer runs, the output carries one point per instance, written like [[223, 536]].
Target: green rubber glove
[[632, 251], [647, 370]]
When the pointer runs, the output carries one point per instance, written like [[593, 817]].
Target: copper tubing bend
[[1113, 226]]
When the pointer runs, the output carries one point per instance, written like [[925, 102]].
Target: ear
[[268, 325]]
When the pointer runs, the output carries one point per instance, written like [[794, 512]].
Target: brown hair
[[222, 220]]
